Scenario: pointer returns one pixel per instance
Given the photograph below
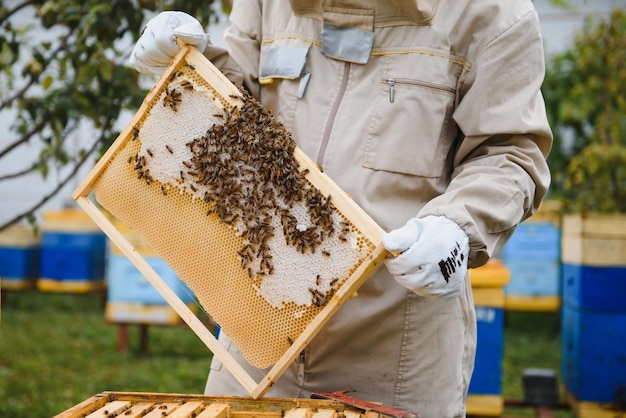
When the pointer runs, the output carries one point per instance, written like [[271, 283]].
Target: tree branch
[[25, 138], [18, 94], [18, 8], [59, 186], [17, 174], [25, 171]]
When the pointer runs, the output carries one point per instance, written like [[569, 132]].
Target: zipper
[[410, 82], [333, 114], [392, 89]]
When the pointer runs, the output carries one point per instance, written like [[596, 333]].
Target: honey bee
[[169, 149], [246, 167], [172, 98]]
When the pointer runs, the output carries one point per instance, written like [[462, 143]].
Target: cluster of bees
[[248, 174]]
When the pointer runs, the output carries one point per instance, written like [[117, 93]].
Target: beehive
[[269, 245], [133, 405], [72, 256], [19, 257]]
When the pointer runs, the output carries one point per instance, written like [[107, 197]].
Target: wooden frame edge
[[168, 294]]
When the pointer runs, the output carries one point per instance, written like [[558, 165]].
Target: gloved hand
[[157, 44], [433, 259]]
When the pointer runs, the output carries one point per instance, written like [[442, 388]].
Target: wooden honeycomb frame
[[141, 215], [158, 405]]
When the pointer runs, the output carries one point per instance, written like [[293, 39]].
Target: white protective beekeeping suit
[[429, 114]]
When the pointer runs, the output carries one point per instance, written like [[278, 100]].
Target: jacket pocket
[[411, 131], [283, 75]]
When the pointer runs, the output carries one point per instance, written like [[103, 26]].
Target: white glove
[[157, 44], [433, 259]]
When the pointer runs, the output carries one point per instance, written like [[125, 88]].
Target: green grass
[[57, 350], [531, 339]]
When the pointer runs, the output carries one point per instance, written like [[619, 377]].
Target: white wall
[[558, 27]]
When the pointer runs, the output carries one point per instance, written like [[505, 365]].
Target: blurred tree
[[62, 66], [585, 91]]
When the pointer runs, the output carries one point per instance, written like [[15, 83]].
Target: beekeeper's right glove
[[433, 256], [157, 44]]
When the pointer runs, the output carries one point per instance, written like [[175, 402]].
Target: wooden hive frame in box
[[270, 246], [157, 405]]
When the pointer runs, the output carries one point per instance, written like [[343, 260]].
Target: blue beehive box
[[595, 287], [533, 255], [533, 240], [19, 263], [72, 256], [593, 348], [19, 257], [534, 278], [126, 284], [485, 389], [593, 361], [487, 377]]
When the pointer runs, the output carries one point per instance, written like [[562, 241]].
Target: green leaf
[[47, 82]]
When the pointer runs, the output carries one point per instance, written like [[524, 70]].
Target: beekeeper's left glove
[[157, 44], [433, 259]]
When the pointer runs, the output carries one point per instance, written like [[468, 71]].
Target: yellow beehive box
[[488, 283], [68, 220], [594, 239], [549, 211], [584, 409], [19, 236]]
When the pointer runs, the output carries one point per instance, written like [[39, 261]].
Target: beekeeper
[[429, 114]]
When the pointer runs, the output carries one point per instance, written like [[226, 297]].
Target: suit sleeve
[[240, 60], [500, 174]]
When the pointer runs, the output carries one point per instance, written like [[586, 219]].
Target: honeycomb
[[211, 182]]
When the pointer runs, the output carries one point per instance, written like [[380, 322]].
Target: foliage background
[[585, 92], [63, 66]]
